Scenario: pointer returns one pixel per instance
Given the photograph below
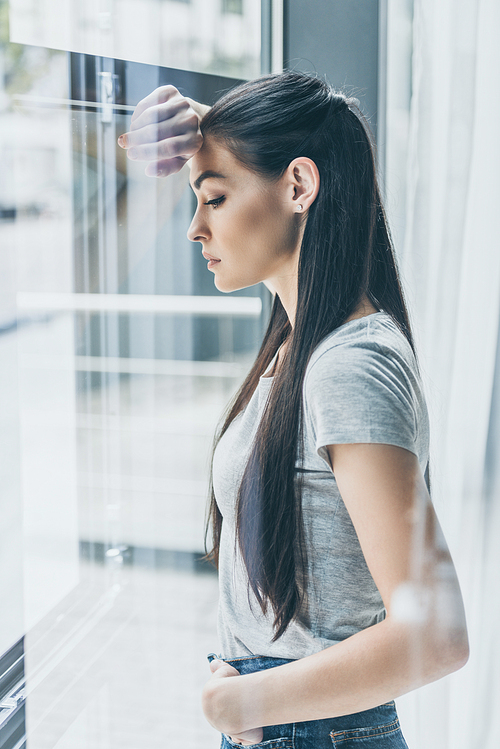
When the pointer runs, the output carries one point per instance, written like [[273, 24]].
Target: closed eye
[[216, 201]]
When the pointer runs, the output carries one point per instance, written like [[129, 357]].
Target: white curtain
[[450, 259]]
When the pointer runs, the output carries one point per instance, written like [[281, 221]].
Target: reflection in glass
[[118, 357], [207, 36]]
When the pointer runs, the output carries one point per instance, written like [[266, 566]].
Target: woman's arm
[[423, 636], [164, 131]]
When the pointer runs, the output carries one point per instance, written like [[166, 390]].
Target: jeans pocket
[[387, 736], [280, 743]]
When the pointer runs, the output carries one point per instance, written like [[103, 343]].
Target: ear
[[302, 176]]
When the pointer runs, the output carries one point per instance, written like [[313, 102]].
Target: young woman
[[337, 591]]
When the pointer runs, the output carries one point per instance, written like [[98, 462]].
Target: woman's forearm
[[368, 669], [423, 636]]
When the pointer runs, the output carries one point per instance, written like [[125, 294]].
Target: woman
[[338, 593]]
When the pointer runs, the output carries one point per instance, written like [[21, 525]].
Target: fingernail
[[122, 141], [132, 153]]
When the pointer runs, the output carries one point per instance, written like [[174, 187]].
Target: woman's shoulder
[[363, 356], [362, 385], [362, 340]]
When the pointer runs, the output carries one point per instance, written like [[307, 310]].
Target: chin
[[222, 287], [226, 288]]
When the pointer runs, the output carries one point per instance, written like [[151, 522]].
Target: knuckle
[[178, 105], [151, 116], [197, 141], [192, 145], [152, 133], [167, 91], [192, 121], [166, 149]]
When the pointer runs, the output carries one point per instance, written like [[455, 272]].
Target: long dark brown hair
[[346, 252]]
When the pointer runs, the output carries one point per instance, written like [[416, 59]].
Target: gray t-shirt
[[361, 385]]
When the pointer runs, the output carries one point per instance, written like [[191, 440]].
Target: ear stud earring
[[299, 207]]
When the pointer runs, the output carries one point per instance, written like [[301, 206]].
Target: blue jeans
[[377, 728]]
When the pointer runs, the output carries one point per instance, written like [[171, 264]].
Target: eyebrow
[[209, 174]]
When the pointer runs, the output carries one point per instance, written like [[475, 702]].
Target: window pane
[[198, 35], [118, 357], [232, 6]]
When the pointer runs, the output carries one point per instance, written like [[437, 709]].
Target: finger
[[180, 145], [162, 111], [254, 736], [165, 168], [215, 664], [221, 669], [160, 94], [159, 131]]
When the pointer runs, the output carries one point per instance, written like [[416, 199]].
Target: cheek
[[268, 227], [250, 219], [243, 232]]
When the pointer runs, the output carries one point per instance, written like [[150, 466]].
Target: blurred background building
[[118, 355]]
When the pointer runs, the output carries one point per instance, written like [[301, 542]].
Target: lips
[[210, 257], [211, 260]]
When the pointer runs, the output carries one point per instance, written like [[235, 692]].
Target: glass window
[[118, 356], [232, 6], [206, 36]]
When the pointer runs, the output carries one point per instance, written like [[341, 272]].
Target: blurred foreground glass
[[206, 36], [117, 357]]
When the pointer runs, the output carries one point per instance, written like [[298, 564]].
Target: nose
[[198, 231]]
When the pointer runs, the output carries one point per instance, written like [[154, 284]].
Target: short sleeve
[[361, 394]]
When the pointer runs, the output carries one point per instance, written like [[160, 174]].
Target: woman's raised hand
[[165, 131]]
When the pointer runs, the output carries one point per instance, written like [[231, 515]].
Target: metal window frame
[[12, 698]]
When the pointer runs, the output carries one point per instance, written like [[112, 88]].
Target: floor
[[115, 652], [121, 662]]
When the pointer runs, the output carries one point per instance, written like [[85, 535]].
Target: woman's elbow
[[450, 627], [435, 624], [447, 629], [454, 653]]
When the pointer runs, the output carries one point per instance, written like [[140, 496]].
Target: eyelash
[[216, 201]]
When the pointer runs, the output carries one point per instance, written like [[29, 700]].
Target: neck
[[285, 285], [287, 292], [286, 288], [364, 308]]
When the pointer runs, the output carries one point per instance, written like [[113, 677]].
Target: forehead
[[214, 157]]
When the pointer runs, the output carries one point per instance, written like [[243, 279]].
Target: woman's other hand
[[221, 670], [165, 130]]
